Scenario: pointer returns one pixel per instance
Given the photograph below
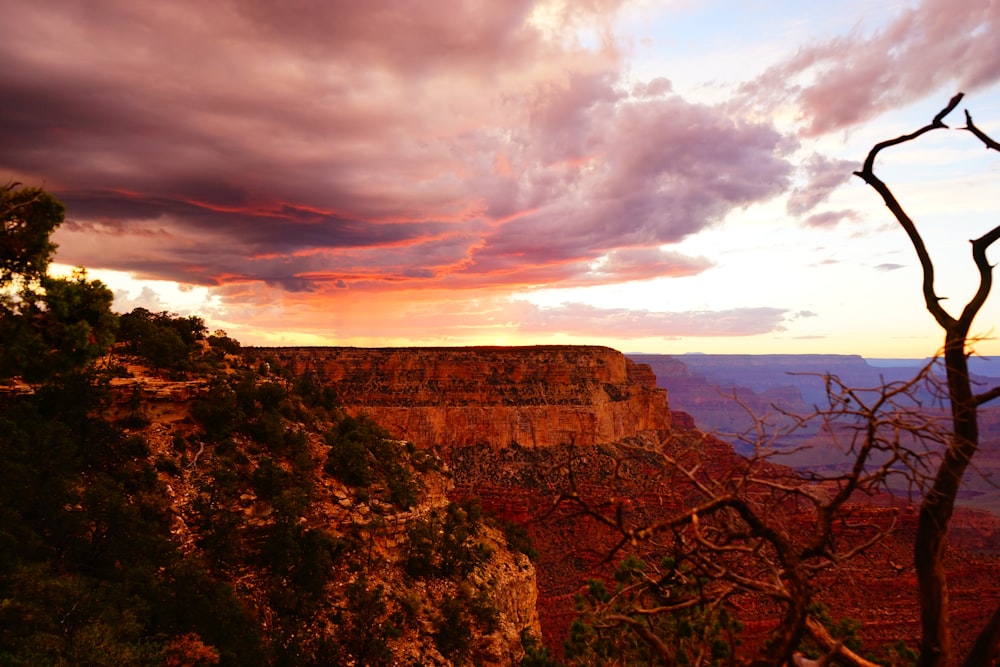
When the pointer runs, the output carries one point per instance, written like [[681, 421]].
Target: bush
[[313, 394], [699, 631], [217, 412], [457, 616], [518, 539], [365, 627], [165, 340], [363, 453], [220, 341], [445, 547]]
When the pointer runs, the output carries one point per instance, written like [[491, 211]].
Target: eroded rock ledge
[[449, 397]]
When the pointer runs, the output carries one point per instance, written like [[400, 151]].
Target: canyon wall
[[448, 398], [504, 420]]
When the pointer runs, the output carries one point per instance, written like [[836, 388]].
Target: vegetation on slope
[[252, 524], [255, 530]]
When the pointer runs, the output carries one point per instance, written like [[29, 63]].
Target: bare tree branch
[[971, 127], [742, 528], [835, 648], [938, 503], [868, 174], [988, 396]]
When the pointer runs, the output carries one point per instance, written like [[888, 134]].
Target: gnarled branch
[[938, 503]]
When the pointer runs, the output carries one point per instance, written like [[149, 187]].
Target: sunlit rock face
[[450, 398]]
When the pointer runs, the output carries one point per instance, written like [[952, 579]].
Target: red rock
[[448, 398]]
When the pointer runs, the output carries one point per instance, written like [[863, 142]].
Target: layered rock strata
[[449, 398]]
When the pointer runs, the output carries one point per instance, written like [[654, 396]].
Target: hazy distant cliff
[[496, 396]]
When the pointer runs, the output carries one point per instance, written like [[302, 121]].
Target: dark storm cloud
[[643, 174], [274, 228], [282, 143]]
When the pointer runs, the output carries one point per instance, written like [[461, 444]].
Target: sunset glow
[[655, 176]]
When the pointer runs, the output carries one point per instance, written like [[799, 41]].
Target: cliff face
[[501, 416], [474, 396]]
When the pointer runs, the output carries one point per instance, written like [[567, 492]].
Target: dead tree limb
[[938, 503], [836, 648], [757, 530]]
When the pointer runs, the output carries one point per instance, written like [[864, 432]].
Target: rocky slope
[[386, 555]]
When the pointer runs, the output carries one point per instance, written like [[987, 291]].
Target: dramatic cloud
[[848, 79], [355, 168], [330, 144], [637, 173]]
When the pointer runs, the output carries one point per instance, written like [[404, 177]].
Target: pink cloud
[[823, 175], [641, 263], [337, 143], [830, 218], [654, 88], [938, 43]]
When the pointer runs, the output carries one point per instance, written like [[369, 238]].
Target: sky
[[660, 176]]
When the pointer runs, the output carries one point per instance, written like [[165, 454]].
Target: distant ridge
[[705, 385], [986, 366]]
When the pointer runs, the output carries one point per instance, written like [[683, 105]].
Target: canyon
[[706, 386], [370, 506], [508, 420]]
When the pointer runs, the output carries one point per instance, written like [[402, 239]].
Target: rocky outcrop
[[155, 399], [510, 578], [448, 398]]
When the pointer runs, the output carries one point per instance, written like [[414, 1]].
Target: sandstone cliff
[[495, 396]]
